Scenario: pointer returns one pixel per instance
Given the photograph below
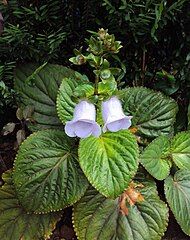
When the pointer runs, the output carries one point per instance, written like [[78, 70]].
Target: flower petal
[[96, 130], [69, 129], [83, 129], [119, 124], [84, 110]]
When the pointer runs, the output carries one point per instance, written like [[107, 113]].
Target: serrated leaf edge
[[153, 91], [51, 210], [99, 185], [148, 148], [171, 208], [160, 235], [49, 232]]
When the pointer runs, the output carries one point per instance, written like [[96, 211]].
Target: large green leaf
[[38, 88], [153, 113], [16, 223], [65, 102], [155, 158], [96, 217], [177, 190], [47, 175], [110, 161], [180, 150]]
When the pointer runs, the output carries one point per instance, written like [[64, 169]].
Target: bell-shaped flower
[[113, 115], [84, 122]]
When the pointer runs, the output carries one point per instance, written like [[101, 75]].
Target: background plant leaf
[[177, 193], [65, 97], [16, 223], [180, 150], [110, 161], [47, 175], [96, 217], [153, 113], [39, 89], [155, 158]]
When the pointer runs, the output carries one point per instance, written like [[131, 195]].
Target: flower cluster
[[84, 122]]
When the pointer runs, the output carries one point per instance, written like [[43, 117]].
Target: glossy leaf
[[110, 161], [65, 102], [47, 175], [16, 223], [38, 89], [96, 217], [153, 113], [177, 192], [180, 150], [155, 158]]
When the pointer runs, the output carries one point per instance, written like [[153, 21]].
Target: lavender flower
[[113, 115], [84, 121]]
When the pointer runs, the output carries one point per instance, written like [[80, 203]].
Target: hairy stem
[[96, 85]]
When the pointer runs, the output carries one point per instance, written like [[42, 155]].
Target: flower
[[83, 123], [113, 115]]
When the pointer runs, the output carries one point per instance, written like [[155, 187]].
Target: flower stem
[[96, 85]]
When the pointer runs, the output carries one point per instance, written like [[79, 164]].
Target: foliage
[[113, 197], [15, 221], [38, 87], [49, 174], [41, 31], [96, 217]]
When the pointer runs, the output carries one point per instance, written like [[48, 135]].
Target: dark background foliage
[[155, 36]]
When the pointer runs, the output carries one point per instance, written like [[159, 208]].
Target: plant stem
[[96, 85]]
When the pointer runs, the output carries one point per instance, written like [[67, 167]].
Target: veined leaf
[[41, 92], [65, 103], [177, 190], [16, 223], [155, 158], [96, 217], [47, 175], [110, 161], [180, 150], [153, 113]]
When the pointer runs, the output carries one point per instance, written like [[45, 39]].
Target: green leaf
[[65, 103], [47, 175], [96, 217], [155, 158], [110, 161], [107, 88], [84, 90], [153, 113], [180, 150], [42, 93], [177, 192], [16, 223]]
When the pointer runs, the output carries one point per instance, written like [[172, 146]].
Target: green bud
[[80, 59], [105, 74], [102, 33]]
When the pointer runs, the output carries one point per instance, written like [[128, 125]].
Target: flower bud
[[105, 74], [113, 115], [80, 59], [102, 33], [83, 123]]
